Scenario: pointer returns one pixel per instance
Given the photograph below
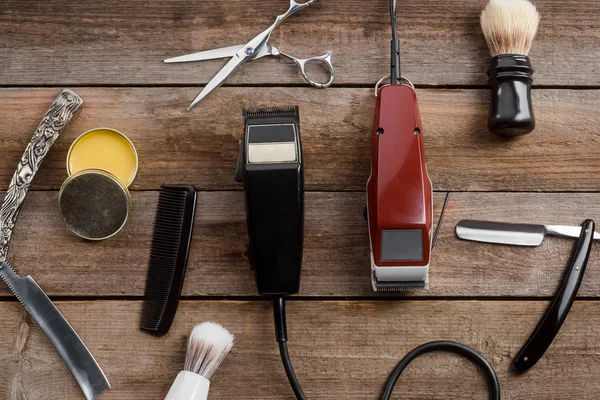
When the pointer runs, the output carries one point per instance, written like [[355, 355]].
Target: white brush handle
[[189, 386]]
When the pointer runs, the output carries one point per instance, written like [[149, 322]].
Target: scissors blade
[[218, 79], [223, 52]]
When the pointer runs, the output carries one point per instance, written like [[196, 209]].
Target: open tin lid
[[94, 204]]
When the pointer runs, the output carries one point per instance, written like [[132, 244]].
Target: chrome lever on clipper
[[270, 167]]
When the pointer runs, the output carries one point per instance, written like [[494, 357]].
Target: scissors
[[253, 50]]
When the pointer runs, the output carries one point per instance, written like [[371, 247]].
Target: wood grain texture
[[486, 296], [120, 43], [335, 357], [201, 147], [336, 256]]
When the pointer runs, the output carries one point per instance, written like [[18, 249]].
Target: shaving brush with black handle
[[509, 27]]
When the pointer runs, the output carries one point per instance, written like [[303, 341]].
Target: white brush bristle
[[208, 345], [509, 26]]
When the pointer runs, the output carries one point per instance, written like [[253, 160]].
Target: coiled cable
[[442, 345]]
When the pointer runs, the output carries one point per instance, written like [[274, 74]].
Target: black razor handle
[[511, 110], [550, 324], [273, 177]]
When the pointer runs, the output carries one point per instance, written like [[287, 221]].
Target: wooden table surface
[[345, 339]]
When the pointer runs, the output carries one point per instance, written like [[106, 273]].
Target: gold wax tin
[[104, 148], [94, 201]]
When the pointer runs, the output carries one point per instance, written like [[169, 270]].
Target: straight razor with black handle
[[78, 358], [533, 235], [513, 234], [548, 327]]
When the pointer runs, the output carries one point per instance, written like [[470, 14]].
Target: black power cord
[[281, 335], [395, 74], [442, 345]]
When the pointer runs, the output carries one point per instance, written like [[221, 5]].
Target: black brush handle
[[550, 324], [511, 110]]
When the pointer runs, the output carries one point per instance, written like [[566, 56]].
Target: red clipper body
[[399, 194]]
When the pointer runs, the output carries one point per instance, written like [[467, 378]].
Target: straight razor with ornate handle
[[78, 358]]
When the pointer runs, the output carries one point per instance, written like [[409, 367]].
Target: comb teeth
[[271, 112], [173, 227]]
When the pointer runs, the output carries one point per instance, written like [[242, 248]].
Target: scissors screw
[[249, 51]]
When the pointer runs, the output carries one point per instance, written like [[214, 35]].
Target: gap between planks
[[259, 298], [280, 85]]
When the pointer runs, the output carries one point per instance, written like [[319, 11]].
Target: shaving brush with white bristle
[[509, 27], [208, 345]]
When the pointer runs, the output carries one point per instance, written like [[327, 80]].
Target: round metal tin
[[94, 203], [106, 149]]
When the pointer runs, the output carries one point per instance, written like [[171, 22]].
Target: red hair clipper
[[399, 191]]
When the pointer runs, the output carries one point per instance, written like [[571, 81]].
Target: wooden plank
[[336, 257], [61, 42], [334, 357], [201, 147]]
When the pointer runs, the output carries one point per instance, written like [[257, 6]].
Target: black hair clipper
[[270, 166]]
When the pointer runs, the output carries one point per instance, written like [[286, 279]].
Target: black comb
[[168, 256]]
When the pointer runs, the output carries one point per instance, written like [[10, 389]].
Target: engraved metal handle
[[58, 116]]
